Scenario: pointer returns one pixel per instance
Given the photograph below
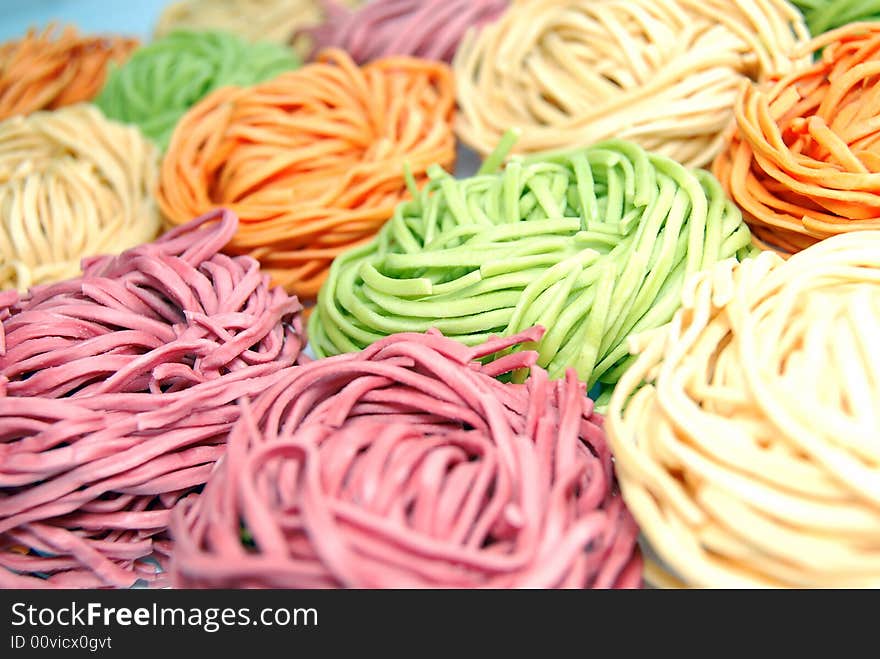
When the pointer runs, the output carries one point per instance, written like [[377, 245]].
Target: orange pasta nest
[[48, 70], [313, 161], [803, 160]]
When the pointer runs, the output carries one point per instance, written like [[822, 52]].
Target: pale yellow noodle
[[72, 184], [663, 73], [256, 20], [747, 433]]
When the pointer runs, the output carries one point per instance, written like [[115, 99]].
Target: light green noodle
[[593, 244], [825, 15], [164, 79]]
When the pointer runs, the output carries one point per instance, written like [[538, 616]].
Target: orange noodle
[[49, 70], [313, 161], [803, 161]]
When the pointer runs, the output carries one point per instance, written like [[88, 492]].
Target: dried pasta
[[72, 184], [746, 433], [662, 73], [50, 69], [313, 160], [803, 160]]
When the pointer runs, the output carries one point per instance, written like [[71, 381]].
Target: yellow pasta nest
[[747, 433], [72, 184], [662, 73], [256, 20]]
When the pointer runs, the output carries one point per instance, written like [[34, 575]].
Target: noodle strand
[[117, 391], [409, 465], [162, 80], [431, 29], [803, 160]]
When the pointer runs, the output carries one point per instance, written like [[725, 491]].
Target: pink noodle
[[117, 393], [409, 465], [431, 29]]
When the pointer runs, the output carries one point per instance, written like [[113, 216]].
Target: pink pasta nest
[[429, 29], [409, 465], [117, 392]]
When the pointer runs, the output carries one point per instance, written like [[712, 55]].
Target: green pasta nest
[[592, 244], [164, 79], [825, 15]]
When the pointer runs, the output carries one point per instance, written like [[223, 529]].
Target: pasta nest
[[592, 244], [750, 455], [72, 184], [664, 74], [803, 160]]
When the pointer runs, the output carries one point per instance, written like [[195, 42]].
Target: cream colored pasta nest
[[72, 184], [663, 73], [747, 433], [255, 20]]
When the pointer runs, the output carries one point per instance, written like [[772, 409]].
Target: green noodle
[[825, 15], [593, 244], [162, 80]]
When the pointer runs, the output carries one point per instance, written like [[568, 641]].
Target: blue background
[[128, 17]]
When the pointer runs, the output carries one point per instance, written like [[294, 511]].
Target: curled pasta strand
[[255, 20], [162, 80], [380, 28], [825, 15], [117, 391], [803, 160]]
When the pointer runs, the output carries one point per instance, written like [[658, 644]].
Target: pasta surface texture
[[431, 29], [162, 80], [825, 15], [409, 465], [255, 20], [117, 392]]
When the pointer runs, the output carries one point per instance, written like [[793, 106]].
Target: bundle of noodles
[[803, 161], [662, 73], [45, 71], [409, 465], [593, 244], [161, 81], [311, 161], [118, 391], [752, 455], [379, 28], [255, 20], [72, 184]]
